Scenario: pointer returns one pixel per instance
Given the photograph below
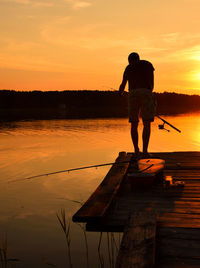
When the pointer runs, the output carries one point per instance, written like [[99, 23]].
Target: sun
[[198, 75], [194, 75]]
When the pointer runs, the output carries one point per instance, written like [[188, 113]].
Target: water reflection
[[28, 208]]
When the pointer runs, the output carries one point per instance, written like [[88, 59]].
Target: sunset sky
[[84, 44]]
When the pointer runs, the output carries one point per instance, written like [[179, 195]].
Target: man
[[140, 77]]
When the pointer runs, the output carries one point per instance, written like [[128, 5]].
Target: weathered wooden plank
[[178, 216], [169, 262], [173, 247], [183, 195], [173, 223], [184, 172], [138, 243], [156, 203], [162, 202], [192, 185], [184, 188], [186, 210], [160, 209], [187, 173], [182, 167], [178, 233], [117, 223], [98, 203]]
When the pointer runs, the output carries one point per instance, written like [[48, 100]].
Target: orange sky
[[84, 44]]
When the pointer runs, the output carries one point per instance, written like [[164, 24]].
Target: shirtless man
[[140, 77]]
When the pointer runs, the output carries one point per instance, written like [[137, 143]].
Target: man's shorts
[[141, 102]]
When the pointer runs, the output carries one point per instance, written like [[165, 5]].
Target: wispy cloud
[[169, 47], [170, 38], [24, 62], [180, 47], [43, 4], [23, 2], [81, 4], [78, 4], [18, 55], [31, 2], [189, 53]]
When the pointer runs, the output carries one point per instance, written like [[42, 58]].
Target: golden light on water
[[29, 207]]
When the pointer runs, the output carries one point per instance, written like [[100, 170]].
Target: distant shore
[[20, 105]]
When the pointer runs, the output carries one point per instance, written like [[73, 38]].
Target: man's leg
[[146, 135], [134, 135]]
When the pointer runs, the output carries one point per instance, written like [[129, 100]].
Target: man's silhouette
[[140, 77]]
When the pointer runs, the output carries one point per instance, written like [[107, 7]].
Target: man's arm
[[151, 77], [151, 80], [123, 84]]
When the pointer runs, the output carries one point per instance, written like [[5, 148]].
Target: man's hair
[[133, 57]]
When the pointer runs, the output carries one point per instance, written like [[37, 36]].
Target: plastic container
[[149, 170], [141, 180], [151, 165]]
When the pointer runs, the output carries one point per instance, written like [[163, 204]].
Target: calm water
[[28, 208]]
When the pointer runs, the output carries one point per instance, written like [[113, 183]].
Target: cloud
[[77, 4], [43, 4], [93, 36], [180, 47], [170, 38], [190, 53], [20, 56], [24, 62], [161, 48], [32, 3], [23, 2], [81, 4]]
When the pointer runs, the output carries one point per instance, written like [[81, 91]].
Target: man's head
[[133, 58]]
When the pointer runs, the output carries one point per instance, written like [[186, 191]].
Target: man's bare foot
[[138, 154], [146, 155]]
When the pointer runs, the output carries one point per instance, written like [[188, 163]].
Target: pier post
[[137, 248]]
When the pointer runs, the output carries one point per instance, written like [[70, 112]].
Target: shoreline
[[37, 105], [9, 115]]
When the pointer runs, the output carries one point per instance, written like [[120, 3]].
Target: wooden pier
[[161, 225]]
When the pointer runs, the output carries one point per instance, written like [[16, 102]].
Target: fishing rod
[[165, 122], [161, 126], [79, 168], [69, 170]]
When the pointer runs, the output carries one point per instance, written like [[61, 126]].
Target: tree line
[[16, 105]]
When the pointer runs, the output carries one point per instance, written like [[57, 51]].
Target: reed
[[101, 258], [86, 243], [66, 229], [108, 246], [112, 250], [4, 252], [113, 245]]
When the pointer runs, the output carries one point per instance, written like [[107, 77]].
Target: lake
[[28, 208]]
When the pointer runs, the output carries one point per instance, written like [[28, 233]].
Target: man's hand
[[121, 90]]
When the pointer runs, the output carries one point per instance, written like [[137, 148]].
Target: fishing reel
[[162, 127]]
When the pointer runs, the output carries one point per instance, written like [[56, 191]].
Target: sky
[[84, 44]]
